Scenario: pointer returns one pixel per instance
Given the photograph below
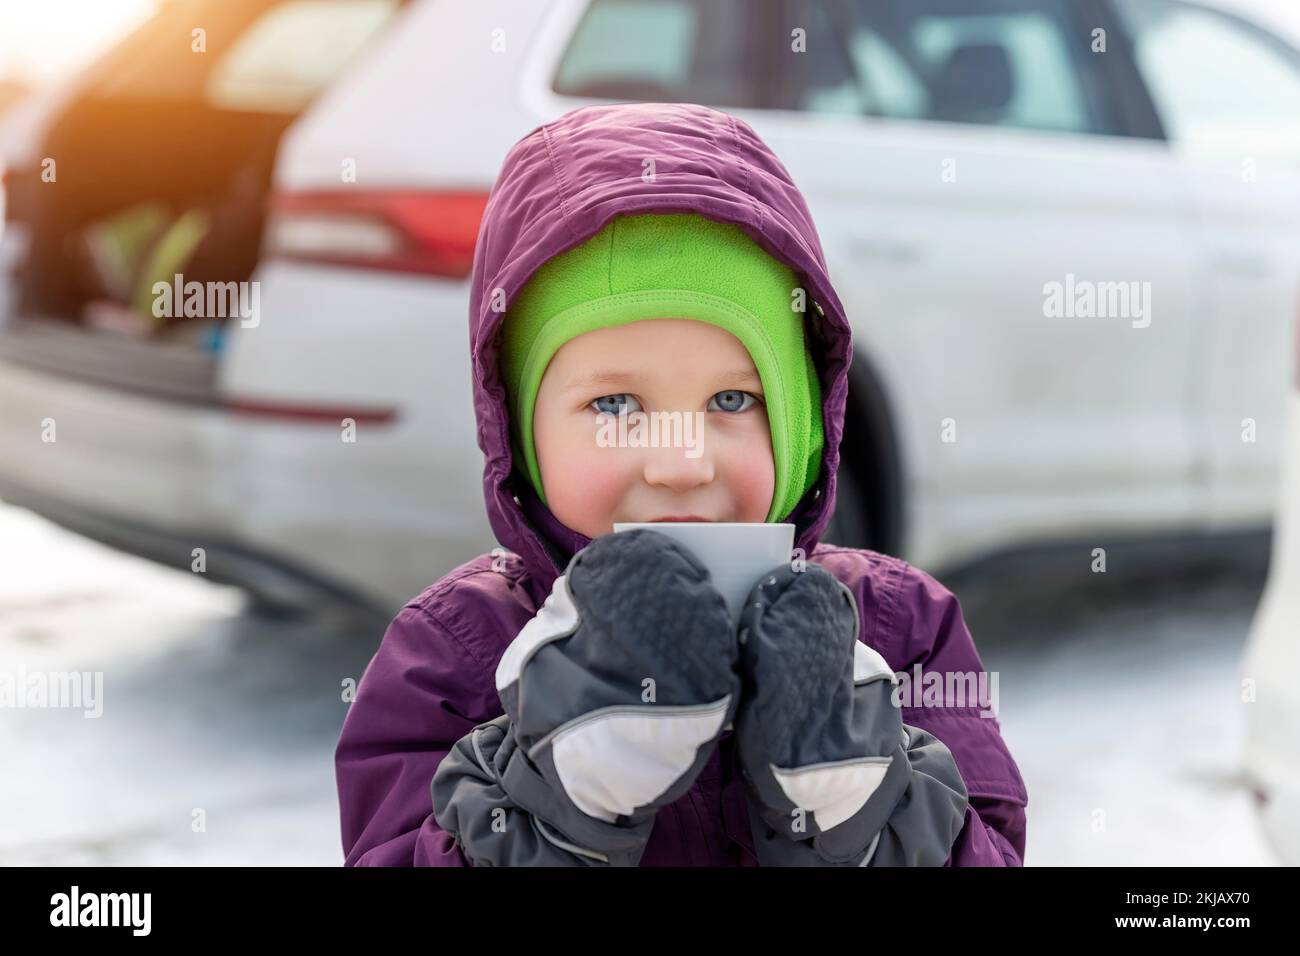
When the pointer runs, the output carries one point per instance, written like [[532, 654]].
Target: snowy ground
[[1121, 709], [1121, 703], [204, 708]]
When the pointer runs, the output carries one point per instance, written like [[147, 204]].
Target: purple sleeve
[[422, 691], [993, 836], [925, 627]]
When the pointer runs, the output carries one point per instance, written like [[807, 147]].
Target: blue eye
[[732, 401], [616, 411]]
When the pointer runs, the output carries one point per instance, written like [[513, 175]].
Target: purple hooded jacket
[[433, 678]]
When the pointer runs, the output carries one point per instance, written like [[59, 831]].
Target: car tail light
[[430, 233]]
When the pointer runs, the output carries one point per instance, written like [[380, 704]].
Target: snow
[[204, 708], [1123, 710]]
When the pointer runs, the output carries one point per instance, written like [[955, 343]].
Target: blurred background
[[1110, 489]]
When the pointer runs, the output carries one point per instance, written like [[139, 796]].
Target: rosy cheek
[[584, 482], [751, 471], [752, 487]]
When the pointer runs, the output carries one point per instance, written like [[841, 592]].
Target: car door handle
[[884, 247], [1252, 264]]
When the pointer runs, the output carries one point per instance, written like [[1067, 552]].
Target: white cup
[[737, 553]]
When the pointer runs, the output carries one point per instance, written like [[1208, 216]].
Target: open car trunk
[[160, 165]]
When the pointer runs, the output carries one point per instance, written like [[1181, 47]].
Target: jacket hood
[[558, 186]]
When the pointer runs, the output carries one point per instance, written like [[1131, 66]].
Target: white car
[[1067, 233]]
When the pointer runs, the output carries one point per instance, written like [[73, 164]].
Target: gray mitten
[[833, 776], [614, 695]]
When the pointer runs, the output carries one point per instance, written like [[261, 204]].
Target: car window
[[1213, 78], [289, 55], [821, 77], [662, 50], [266, 56], [998, 62], [159, 61]]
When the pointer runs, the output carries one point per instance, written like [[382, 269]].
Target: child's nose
[[678, 469]]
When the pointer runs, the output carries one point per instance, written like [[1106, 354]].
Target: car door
[[974, 167], [1228, 94]]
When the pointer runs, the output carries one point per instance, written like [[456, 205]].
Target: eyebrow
[[743, 376]]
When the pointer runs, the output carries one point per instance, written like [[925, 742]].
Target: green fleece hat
[[682, 265]]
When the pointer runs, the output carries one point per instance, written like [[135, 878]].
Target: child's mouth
[[681, 518]]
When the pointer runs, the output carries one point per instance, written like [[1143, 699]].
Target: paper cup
[[736, 553]]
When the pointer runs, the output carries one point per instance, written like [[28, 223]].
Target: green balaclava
[[673, 265]]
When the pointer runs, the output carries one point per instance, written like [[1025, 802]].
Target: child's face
[[658, 365]]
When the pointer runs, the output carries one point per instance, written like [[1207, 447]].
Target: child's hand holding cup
[[736, 553]]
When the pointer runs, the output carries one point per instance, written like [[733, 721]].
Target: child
[[584, 697]]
